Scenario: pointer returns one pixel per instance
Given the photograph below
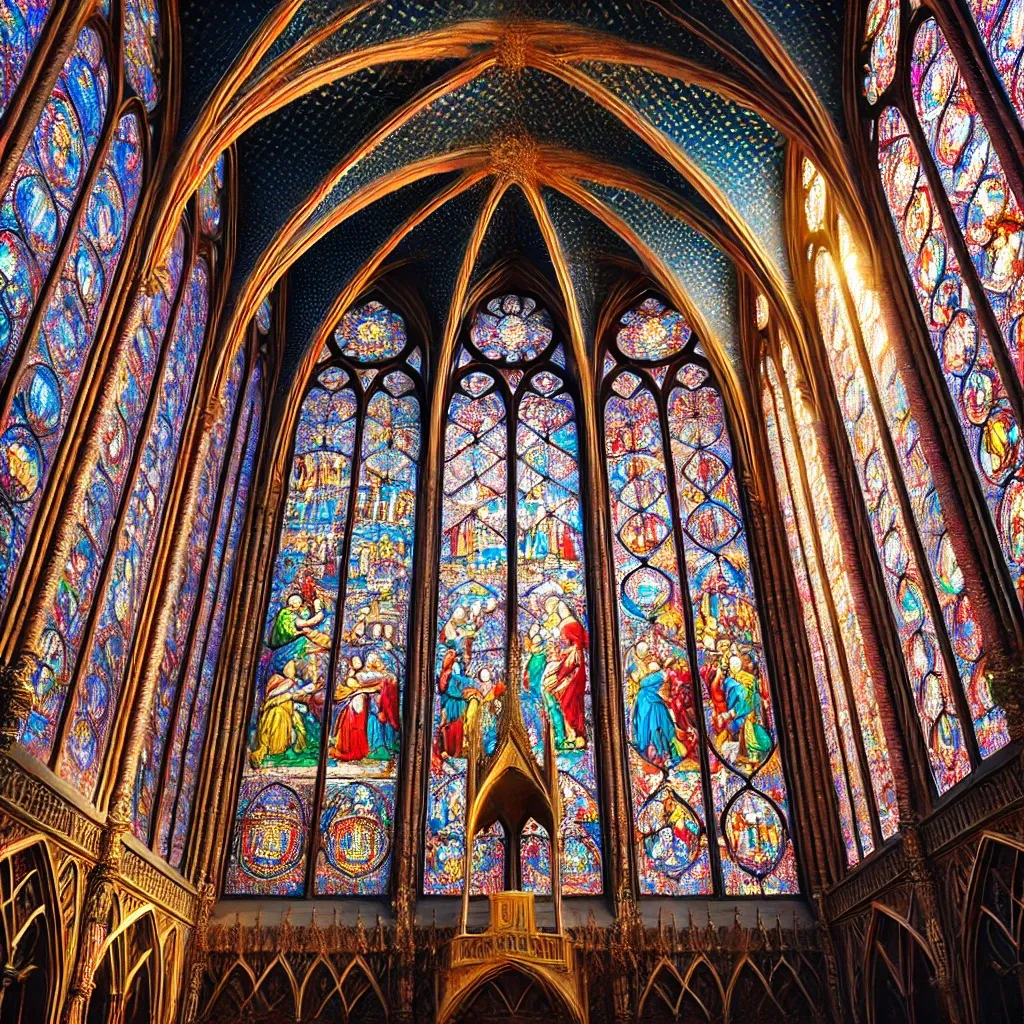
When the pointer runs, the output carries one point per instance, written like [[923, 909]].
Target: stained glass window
[[709, 800], [52, 170], [512, 562], [56, 355], [963, 243], [210, 199], [882, 35], [21, 24], [186, 597], [264, 315], [986, 210], [846, 691], [941, 639], [326, 718], [119, 428], [142, 49], [113, 631], [168, 761], [1001, 24]]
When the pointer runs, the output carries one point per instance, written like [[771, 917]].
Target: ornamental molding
[[27, 797]]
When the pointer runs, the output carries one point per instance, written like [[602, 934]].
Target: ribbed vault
[[448, 135]]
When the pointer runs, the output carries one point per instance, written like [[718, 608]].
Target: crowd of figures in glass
[[323, 738], [709, 798], [512, 561]]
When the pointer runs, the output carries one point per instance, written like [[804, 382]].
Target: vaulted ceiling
[[447, 134]]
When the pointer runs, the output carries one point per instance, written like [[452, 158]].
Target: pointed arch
[[325, 728], [709, 798], [511, 571]]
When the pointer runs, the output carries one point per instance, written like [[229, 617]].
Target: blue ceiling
[[686, 168]]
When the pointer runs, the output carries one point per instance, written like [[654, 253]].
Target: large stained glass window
[[960, 228], [55, 357], [512, 565], [114, 629], [710, 808], [941, 639], [119, 427], [167, 771], [858, 755], [317, 801]]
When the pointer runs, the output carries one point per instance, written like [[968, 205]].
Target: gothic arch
[[31, 939], [511, 991], [899, 971], [679, 994], [993, 930]]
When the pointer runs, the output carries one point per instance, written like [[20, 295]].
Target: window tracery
[[940, 637], [961, 230], [93, 646], [512, 570], [709, 798], [325, 729]]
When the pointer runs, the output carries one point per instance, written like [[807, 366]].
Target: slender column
[[97, 912], [607, 678], [223, 761], [927, 894], [199, 955]]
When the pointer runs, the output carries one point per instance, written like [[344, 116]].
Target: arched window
[[321, 758], [86, 645], [64, 222], [854, 737], [709, 799], [960, 228], [940, 637], [512, 565]]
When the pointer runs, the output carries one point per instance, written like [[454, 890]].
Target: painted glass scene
[[324, 734]]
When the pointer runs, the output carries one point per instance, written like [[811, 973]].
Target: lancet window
[[168, 768], [89, 631], [847, 692], [316, 809], [512, 605], [941, 640], [960, 228], [709, 800], [69, 213]]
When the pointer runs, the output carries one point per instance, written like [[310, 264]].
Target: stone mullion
[[617, 835], [416, 720]]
